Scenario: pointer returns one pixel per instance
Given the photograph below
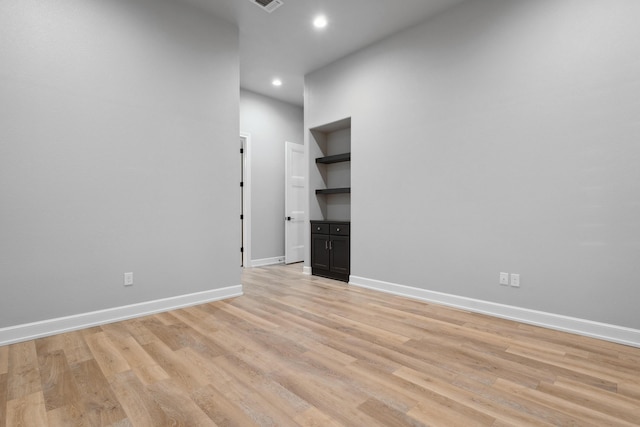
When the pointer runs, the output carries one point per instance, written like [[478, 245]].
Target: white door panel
[[294, 202]]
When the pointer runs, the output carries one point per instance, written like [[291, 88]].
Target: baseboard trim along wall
[[306, 270], [30, 331], [613, 333], [267, 261]]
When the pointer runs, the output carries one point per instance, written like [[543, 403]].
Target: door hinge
[[241, 150], [241, 249], [241, 216], [241, 184]]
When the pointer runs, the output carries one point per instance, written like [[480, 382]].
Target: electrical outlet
[[515, 280], [128, 279], [504, 279]]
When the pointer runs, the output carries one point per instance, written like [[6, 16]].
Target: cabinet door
[[340, 254], [320, 258]]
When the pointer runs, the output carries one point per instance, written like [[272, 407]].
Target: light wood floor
[[300, 350]]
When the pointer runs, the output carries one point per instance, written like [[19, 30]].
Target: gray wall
[[118, 148], [499, 136], [270, 123]]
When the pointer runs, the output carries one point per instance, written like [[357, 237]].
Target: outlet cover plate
[[128, 279], [504, 279], [515, 280]]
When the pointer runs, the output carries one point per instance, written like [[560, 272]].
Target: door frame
[[245, 141]]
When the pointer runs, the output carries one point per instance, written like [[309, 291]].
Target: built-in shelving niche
[[330, 151]]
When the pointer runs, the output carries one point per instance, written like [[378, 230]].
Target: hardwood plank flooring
[[299, 350]]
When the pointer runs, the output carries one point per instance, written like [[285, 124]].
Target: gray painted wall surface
[[270, 123], [499, 136], [118, 153]]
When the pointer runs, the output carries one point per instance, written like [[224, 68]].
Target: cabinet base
[[330, 275]]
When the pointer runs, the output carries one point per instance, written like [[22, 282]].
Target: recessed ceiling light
[[276, 82], [320, 21]]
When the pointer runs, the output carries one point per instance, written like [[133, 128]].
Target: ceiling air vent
[[268, 5]]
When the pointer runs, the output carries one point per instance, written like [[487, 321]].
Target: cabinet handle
[[318, 228], [338, 229], [326, 243], [330, 245]]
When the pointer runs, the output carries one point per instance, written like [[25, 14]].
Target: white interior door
[[294, 203]]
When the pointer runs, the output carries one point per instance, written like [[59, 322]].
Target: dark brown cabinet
[[330, 249]]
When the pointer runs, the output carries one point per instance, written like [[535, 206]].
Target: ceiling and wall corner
[[284, 43]]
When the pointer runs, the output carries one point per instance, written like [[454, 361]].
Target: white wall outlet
[[515, 280], [504, 279], [128, 279]]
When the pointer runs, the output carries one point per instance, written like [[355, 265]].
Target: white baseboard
[[604, 331], [267, 261], [306, 270], [30, 331]]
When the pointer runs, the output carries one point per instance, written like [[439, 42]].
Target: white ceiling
[[285, 44]]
